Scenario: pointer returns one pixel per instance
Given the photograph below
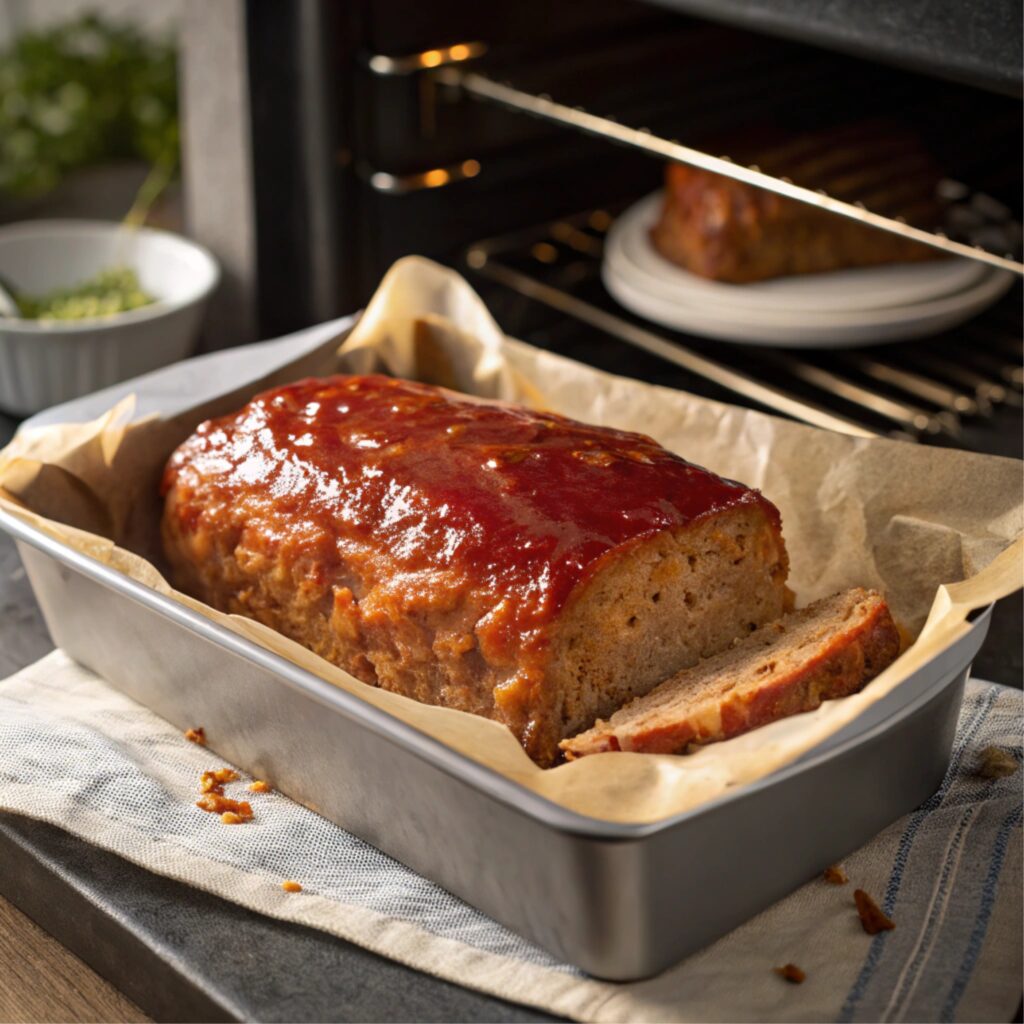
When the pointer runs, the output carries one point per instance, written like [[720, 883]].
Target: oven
[[325, 140]]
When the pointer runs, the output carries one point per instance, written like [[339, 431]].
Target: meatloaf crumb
[[872, 917], [214, 781], [793, 974], [216, 803], [996, 763]]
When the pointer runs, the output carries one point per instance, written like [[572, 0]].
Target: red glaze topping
[[520, 504]]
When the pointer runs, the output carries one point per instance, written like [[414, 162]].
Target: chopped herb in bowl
[[112, 291]]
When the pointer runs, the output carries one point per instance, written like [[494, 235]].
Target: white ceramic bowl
[[42, 364]]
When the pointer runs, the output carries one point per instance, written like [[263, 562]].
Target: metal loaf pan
[[618, 901]]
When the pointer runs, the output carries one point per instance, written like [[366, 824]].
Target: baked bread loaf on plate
[[829, 649], [729, 231], [474, 555]]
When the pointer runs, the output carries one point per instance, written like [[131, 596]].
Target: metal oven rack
[[951, 389], [939, 390], [483, 87]]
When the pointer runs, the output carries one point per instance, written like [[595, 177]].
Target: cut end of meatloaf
[[658, 608], [829, 649]]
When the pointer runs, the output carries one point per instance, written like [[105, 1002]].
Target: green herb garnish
[[80, 93], [112, 291]]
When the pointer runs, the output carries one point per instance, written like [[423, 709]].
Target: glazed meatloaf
[[827, 650], [479, 556], [729, 231]]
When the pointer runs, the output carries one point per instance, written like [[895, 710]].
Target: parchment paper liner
[[897, 516]]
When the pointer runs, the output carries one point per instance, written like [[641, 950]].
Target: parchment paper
[[900, 517]]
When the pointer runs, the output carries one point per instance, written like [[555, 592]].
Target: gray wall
[[156, 16]]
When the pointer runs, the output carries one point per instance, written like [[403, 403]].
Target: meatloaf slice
[[730, 231], [475, 555], [829, 649]]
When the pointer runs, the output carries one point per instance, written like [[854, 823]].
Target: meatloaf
[[730, 231], [829, 649], [479, 556]]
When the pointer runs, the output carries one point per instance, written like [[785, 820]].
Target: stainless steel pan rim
[[444, 758]]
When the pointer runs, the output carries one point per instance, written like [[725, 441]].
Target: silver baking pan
[[618, 901]]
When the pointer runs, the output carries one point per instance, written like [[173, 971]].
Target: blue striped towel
[[75, 752]]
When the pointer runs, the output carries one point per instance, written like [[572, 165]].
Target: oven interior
[[504, 139]]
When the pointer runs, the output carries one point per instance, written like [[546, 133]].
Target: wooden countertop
[[41, 981]]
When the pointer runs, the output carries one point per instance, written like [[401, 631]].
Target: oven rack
[[481, 86], [938, 390]]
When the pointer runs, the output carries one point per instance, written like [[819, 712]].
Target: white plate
[[898, 284], [619, 268], [810, 330], [843, 308]]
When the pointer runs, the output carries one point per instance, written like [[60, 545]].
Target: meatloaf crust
[[479, 556]]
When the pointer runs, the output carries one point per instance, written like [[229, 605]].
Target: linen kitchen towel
[[77, 753]]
